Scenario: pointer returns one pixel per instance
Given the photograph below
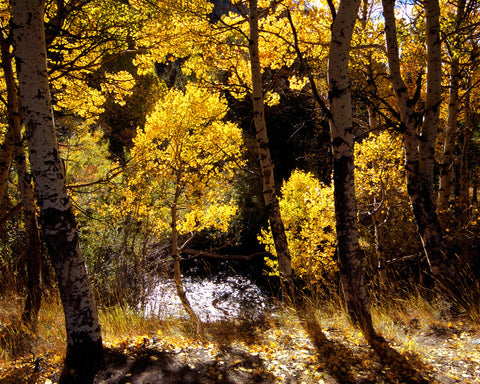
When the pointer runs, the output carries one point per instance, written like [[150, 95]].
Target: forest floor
[[424, 346]]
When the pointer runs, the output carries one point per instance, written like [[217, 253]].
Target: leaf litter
[[274, 353]]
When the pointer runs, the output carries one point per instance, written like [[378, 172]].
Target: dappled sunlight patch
[[32, 369], [275, 349]]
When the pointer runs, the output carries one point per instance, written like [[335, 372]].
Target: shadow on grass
[[227, 332], [150, 365], [382, 365]]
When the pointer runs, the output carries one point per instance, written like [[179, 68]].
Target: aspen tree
[[84, 342], [186, 158], [419, 151], [350, 254], [33, 246], [446, 169], [266, 163]]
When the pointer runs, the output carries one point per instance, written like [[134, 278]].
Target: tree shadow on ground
[[397, 367], [227, 332], [147, 365], [383, 364]]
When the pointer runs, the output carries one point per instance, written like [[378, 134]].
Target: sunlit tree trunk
[[266, 163], [419, 153], [350, 254], [84, 343], [33, 245], [433, 98], [177, 272]]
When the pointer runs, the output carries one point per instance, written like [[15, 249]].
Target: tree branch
[[196, 253], [307, 69], [110, 176], [332, 10]]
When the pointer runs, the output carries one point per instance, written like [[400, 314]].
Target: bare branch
[[196, 253], [332, 10], [110, 176], [307, 69]]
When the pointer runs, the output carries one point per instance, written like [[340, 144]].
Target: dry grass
[[279, 336], [123, 323], [395, 321], [17, 340]]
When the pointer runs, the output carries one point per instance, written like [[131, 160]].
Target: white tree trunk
[[33, 244], [419, 154], [433, 97], [266, 163], [350, 254], [84, 342]]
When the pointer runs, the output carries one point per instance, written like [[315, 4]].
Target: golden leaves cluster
[[308, 214], [187, 155], [379, 163], [382, 195]]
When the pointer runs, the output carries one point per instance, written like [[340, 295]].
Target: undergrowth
[[279, 336]]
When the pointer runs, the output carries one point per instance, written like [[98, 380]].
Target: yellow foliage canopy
[[186, 155], [307, 208]]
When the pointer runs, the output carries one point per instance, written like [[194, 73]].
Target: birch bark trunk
[[84, 354], [266, 163], [433, 98], [33, 246], [419, 153], [349, 252]]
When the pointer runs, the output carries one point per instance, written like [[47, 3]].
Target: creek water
[[212, 299]]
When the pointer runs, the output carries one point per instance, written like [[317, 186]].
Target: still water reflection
[[211, 299]]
